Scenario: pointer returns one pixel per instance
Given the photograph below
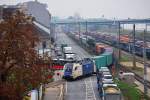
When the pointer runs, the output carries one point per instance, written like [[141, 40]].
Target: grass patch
[[130, 92], [137, 70], [125, 58]]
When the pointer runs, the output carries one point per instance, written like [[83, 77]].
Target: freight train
[[90, 40], [107, 88], [126, 43], [88, 66]]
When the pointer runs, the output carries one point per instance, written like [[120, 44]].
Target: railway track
[[142, 62], [138, 59], [137, 77]]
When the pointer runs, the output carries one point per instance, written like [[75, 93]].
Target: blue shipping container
[[87, 67]]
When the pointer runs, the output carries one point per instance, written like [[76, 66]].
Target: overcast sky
[[95, 8]]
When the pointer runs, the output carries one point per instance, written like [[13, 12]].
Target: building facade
[[39, 11]]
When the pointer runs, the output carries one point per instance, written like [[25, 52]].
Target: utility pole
[[123, 27], [86, 30], [134, 59], [119, 51], [129, 42], [68, 29], [79, 29], [145, 59], [86, 26]]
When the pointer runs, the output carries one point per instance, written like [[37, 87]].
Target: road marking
[[85, 91], [93, 89], [66, 87], [61, 93], [90, 95]]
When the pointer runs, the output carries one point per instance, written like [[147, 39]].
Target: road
[[63, 38], [82, 89]]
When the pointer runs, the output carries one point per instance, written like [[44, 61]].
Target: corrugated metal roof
[[42, 27]]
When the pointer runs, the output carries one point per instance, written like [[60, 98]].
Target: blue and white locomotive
[[78, 69]]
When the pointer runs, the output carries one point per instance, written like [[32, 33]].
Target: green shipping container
[[109, 58], [102, 61], [96, 60]]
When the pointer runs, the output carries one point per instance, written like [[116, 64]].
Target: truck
[[70, 56], [62, 46], [67, 50]]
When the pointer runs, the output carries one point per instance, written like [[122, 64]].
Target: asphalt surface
[[63, 38], [81, 89]]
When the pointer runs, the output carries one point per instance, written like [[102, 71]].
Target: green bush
[[130, 92]]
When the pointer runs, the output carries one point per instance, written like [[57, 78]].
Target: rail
[[137, 77], [139, 58]]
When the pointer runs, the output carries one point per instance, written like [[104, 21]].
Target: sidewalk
[[54, 93], [54, 90]]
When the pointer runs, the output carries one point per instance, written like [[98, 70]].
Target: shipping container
[[148, 52], [87, 66], [109, 58], [99, 48], [96, 61], [102, 61], [111, 92], [109, 49]]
